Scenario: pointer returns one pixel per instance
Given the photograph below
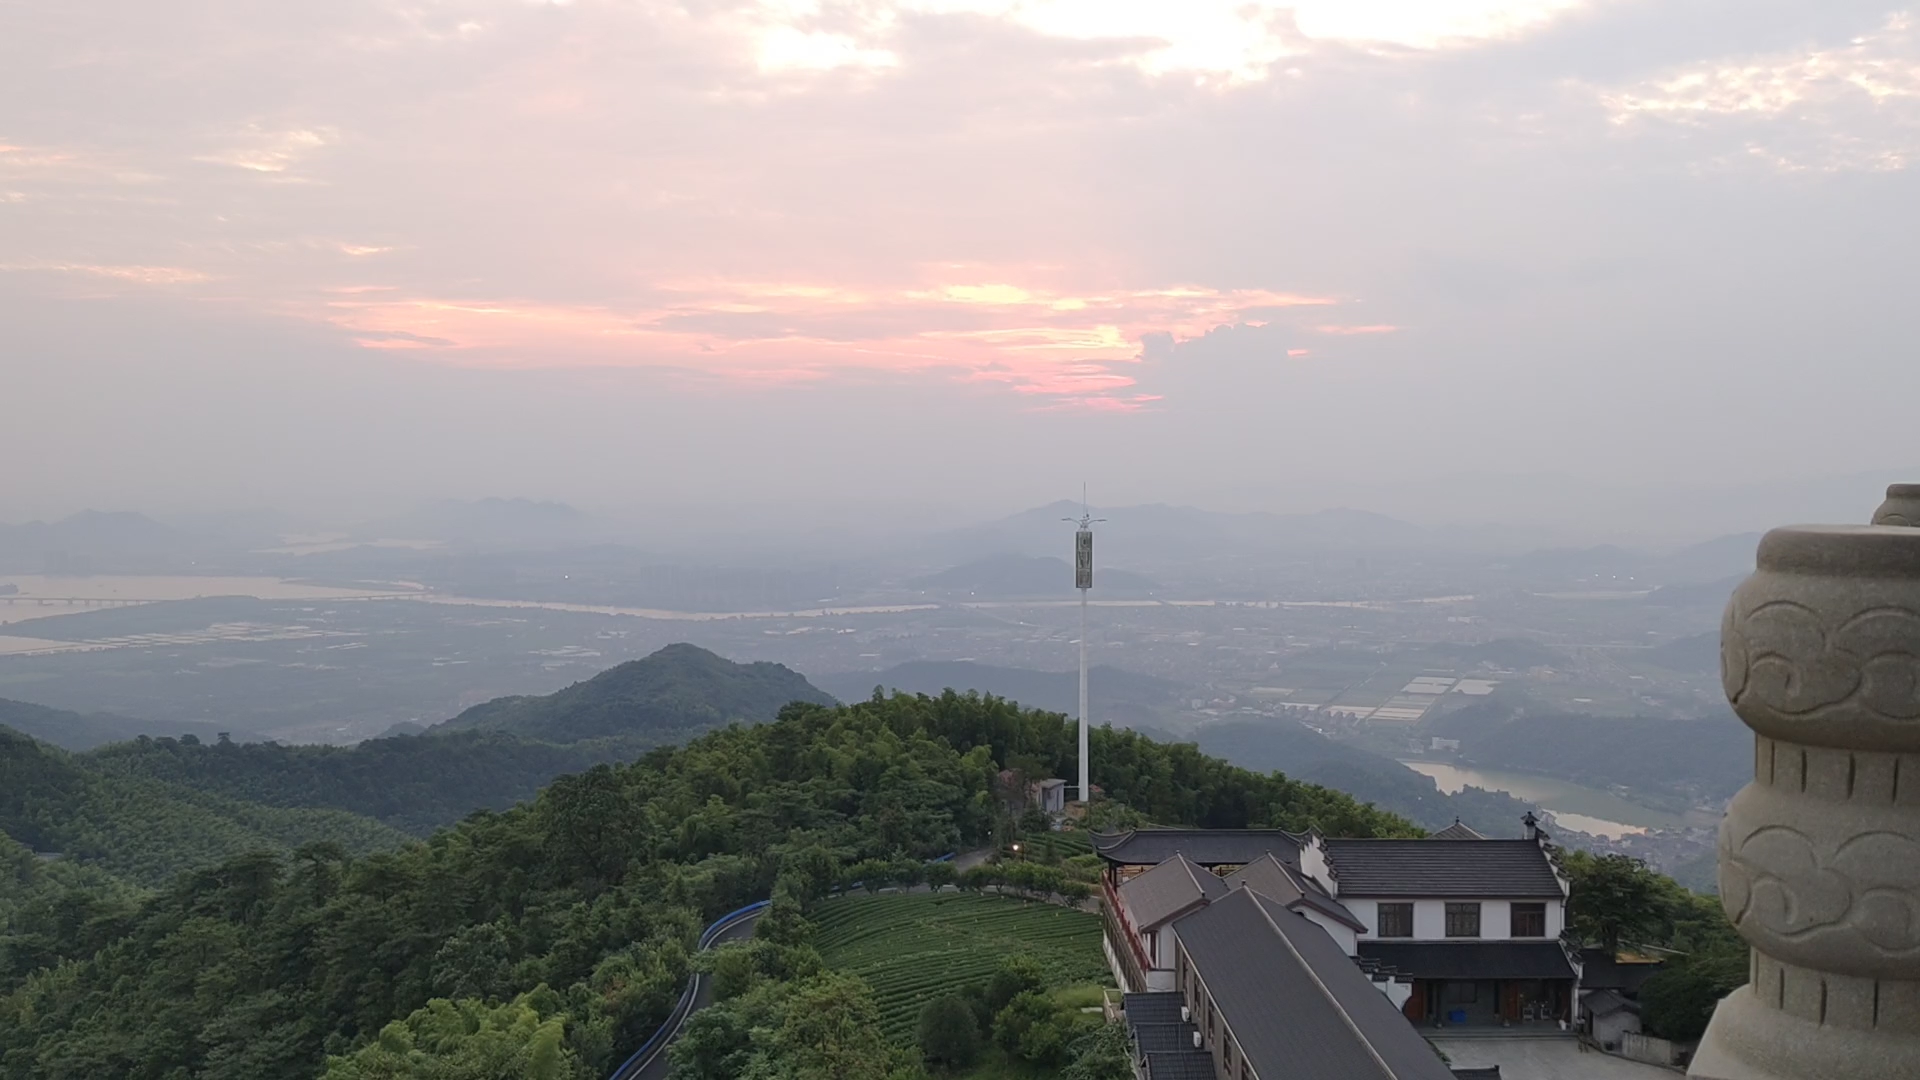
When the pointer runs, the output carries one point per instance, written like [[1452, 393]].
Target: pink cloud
[[1039, 341], [1356, 331]]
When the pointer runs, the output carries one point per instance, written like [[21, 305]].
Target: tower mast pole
[[1086, 795], [1083, 580]]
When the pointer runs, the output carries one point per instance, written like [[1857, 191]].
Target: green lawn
[[915, 947]]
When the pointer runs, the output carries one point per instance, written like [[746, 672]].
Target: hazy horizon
[[1633, 268]]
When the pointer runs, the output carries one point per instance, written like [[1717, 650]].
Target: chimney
[[1532, 825]]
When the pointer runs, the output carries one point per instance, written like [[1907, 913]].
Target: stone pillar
[[1820, 854]]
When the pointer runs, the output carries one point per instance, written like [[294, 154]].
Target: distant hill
[[1021, 575], [81, 731], [1694, 759], [149, 830], [1122, 698], [86, 542], [1699, 653], [676, 693], [1267, 744]]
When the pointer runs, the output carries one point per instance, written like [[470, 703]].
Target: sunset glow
[[1037, 342]]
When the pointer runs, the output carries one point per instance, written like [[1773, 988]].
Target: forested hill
[[489, 757], [144, 829], [408, 782], [680, 691], [559, 930]]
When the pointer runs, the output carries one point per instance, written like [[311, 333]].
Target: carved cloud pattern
[[1782, 657], [1775, 884]]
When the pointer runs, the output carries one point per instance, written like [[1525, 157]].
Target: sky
[[972, 253]]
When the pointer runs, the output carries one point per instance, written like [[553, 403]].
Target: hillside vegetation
[[558, 931], [147, 830], [408, 782]]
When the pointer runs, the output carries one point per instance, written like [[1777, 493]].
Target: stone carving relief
[[1901, 508], [1781, 656], [1852, 906]]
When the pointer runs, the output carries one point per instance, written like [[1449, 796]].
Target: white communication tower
[[1083, 580]]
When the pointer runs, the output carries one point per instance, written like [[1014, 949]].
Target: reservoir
[[1588, 809]]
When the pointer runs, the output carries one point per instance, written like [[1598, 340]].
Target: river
[[1587, 809]]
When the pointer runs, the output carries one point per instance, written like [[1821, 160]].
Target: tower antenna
[[1083, 580]]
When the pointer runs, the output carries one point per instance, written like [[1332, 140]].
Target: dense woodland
[[556, 934], [146, 829]]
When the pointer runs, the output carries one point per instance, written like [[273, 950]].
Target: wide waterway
[[1588, 809]]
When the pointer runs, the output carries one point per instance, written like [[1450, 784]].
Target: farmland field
[[915, 947]]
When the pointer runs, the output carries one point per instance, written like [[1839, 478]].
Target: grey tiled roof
[[1275, 880], [1208, 847], [1169, 889], [1467, 868], [1269, 877], [1456, 831], [1472, 959], [1605, 1002], [1296, 1004]]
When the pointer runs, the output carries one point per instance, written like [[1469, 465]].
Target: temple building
[[1297, 956]]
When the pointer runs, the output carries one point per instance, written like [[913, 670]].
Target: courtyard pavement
[[1546, 1059]]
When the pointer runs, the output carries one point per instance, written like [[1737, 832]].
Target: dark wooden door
[[1416, 1006]]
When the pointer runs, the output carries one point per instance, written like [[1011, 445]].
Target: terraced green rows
[[1062, 845], [915, 947]]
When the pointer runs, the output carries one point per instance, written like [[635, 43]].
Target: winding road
[[652, 1064]]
